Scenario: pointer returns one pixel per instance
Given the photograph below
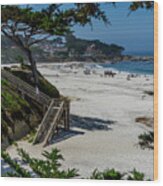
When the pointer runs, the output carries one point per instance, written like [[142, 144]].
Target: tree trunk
[[34, 69]]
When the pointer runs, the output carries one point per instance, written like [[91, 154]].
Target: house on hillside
[[91, 50]]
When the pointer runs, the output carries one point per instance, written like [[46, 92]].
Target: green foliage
[[48, 88], [112, 174], [12, 109], [51, 20], [97, 175], [12, 102], [146, 140], [30, 137], [16, 109], [4, 83], [109, 174], [48, 168], [135, 175], [18, 170], [143, 4]]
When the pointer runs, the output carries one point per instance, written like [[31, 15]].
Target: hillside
[[83, 47], [21, 115], [58, 50]]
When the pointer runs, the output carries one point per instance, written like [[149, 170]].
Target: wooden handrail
[[54, 124], [25, 87], [43, 123]]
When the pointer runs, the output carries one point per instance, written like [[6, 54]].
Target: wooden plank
[[155, 91], [43, 123], [53, 124]]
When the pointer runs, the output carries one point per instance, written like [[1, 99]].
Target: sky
[[133, 32]]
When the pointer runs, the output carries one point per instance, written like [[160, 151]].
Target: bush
[[12, 102], [135, 175], [48, 168], [109, 174], [112, 174], [146, 140]]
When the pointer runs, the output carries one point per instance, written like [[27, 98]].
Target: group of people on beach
[[107, 73]]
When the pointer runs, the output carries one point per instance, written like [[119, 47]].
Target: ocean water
[[132, 67]]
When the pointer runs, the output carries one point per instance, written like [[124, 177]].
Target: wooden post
[[68, 115], [65, 118]]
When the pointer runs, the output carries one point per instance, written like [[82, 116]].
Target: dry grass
[[148, 121]]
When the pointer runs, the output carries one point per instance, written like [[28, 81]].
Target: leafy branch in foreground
[[112, 174], [18, 170], [109, 174], [50, 168], [135, 175], [146, 140]]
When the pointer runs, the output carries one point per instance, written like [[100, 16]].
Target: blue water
[[132, 67]]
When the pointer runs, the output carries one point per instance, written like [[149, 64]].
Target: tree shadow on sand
[[84, 123], [65, 134], [90, 124]]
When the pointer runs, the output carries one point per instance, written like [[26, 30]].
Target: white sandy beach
[[103, 132]]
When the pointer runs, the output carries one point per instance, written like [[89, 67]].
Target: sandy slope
[[103, 129]]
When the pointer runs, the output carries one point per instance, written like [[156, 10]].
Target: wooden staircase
[[56, 114]]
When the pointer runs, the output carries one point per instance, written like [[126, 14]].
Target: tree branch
[[39, 40]]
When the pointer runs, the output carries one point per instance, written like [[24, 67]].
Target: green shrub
[[146, 140], [4, 83], [12, 102], [30, 137], [48, 168], [135, 175], [18, 170], [109, 174], [97, 175]]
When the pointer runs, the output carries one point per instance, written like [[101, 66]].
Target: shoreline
[[82, 64]]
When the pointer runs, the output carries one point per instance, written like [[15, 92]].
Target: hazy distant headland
[[68, 49]]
